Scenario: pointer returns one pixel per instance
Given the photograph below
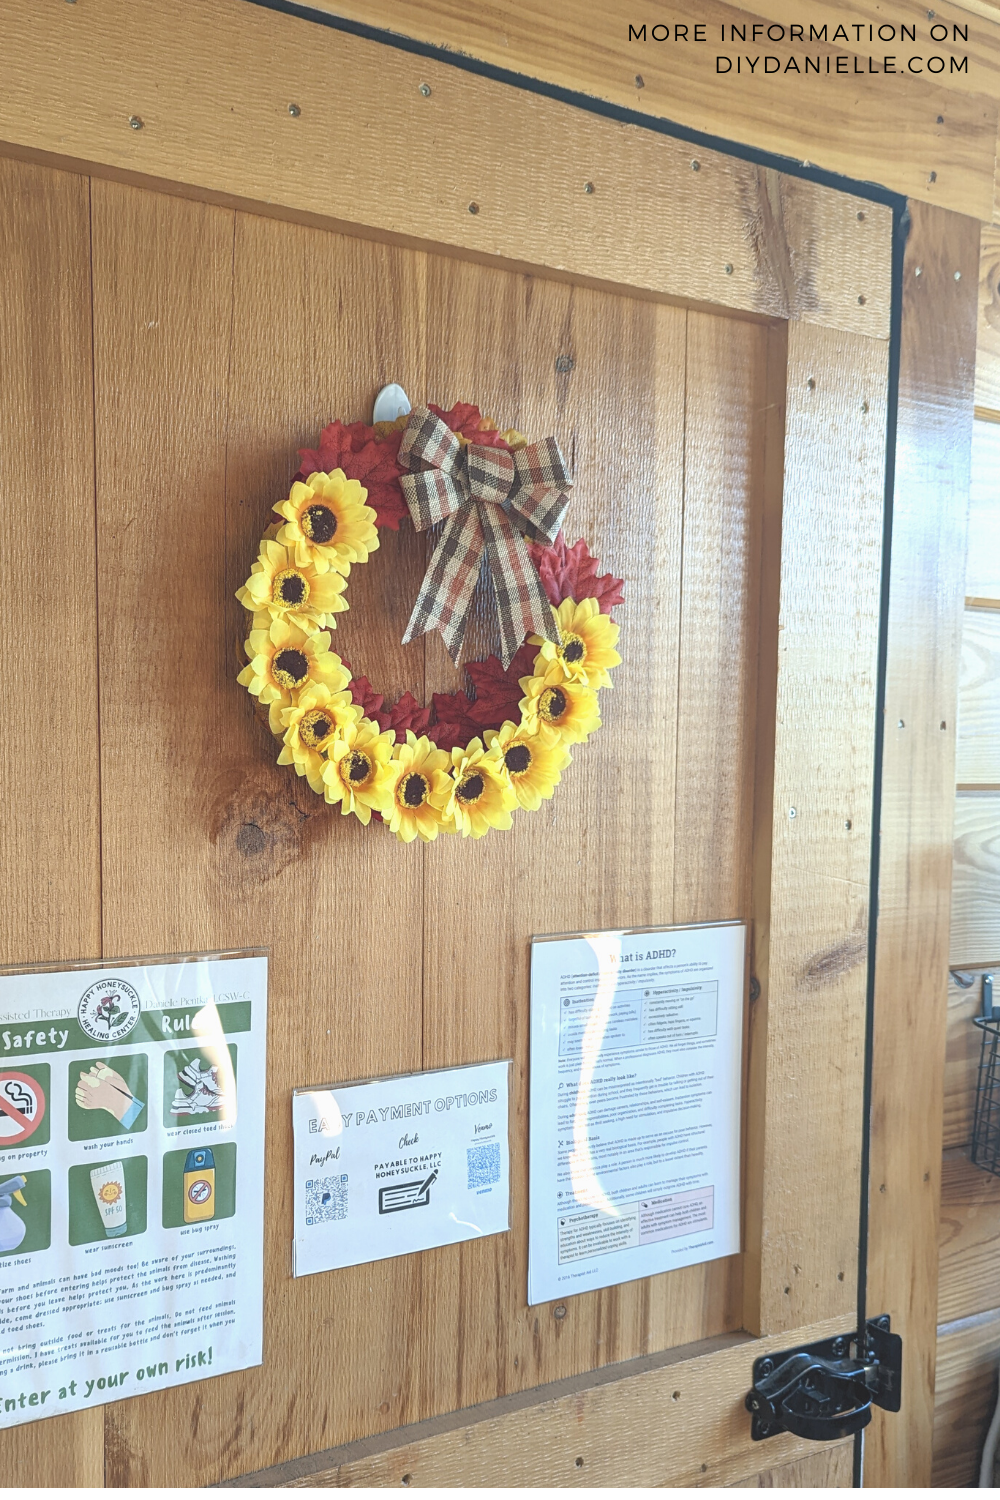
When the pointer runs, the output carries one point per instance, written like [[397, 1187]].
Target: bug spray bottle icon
[[199, 1185], [12, 1226]]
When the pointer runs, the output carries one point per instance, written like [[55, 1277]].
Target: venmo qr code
[[326, 1199], [484, 1164]]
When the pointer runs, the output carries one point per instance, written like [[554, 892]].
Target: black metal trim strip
[[873, 192]]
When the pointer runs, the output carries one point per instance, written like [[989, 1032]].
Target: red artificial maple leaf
[[452, 725], [498, 689], [571, 573], [405, 714], [370, 702], [374, 463], [467, 419]]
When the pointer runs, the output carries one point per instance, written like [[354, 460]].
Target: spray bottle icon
[[12, 1226], [199, 1185]]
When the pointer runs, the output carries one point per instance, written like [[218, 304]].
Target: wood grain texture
[[682, 1412], [215, 357], [884, 131], [988, 340], [49, 828], [816, 927], [961, 1058], [978, 750], [970, 1228], [937, 360], [966, 1391], [216, 119], [982, 580], [830, 1469], [975, 912]]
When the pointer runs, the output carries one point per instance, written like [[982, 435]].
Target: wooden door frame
[[89, 92]]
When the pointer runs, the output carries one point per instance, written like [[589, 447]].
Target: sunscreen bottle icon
[[199, 1185]]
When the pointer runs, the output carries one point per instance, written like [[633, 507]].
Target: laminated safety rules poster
[[131, 1179], [636, 1056]]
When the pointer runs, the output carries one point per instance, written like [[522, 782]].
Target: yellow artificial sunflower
[[357, 772], [481, 795], [279, 588], [586, 644], [420, 786], [554, 702], [328, 523], [284, 660], [309, 728], [533, 762]]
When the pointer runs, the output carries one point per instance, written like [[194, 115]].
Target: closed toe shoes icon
[[199, 1090]]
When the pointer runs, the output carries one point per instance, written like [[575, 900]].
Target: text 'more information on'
[[636, 1056]]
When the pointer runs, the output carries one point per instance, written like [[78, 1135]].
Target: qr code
[[484, 1164], [326, 1199]]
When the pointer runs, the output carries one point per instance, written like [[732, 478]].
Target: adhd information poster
[[131, 1179]]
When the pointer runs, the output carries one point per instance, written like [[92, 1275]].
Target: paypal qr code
[[326, 1199], [484, 1164]]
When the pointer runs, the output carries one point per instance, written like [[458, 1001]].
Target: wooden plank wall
[[969, 1281], [201, 347], [930, 136]]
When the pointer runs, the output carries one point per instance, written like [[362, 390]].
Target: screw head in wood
[[728, 268], [696, 166], [811, 383], [294, 110], [793, 812], [136, 122], [473, 208], [861, 216], [425, 89], [958, 275], [639, 81], [588, 187], [564, 363]]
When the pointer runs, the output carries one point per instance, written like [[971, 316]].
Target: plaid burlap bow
[[489, 500]]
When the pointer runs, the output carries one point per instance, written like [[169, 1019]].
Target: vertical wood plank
[[967, 1354], [50, 824], [832, 1469], [716, 721], [812, 1004], [215, 359], [937, 359]]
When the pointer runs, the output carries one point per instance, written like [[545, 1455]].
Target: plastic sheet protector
[[399, 1164], [131, 1178], [636, 1063]]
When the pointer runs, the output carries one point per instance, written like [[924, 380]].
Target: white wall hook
[[390, 403]]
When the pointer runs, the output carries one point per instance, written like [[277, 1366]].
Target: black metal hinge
[[827, 1390]]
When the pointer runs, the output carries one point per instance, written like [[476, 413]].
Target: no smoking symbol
[[22, 1107]]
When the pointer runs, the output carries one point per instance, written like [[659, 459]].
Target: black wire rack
[[986, 1120]]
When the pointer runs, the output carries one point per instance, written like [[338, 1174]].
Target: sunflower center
[[517, 759], [356, 768], [291, 668], [315, 726], [319, 524], [413, 790], [552, 704], [290, 587], [471, 788], [573, 649]]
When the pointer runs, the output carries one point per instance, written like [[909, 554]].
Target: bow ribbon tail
[[451, 577], [523, 607]]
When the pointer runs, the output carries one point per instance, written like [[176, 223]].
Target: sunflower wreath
[[467, 762]]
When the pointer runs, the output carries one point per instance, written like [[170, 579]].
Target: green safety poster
[[131, 1179]]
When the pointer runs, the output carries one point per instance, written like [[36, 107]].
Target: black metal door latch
[[827, 1390]]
